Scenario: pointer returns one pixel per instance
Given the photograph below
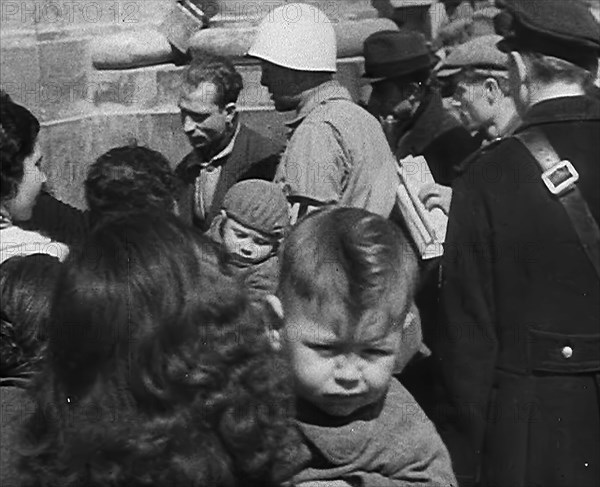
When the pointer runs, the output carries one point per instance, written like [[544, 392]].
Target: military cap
[[559, 28], [480, 54]]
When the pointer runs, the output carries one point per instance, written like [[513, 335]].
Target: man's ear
[[275, 304], [518, 64], [492, 89], [273, 333], [230, 112], [519, 80]]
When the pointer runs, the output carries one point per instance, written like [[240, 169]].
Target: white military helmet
[[296, 36]]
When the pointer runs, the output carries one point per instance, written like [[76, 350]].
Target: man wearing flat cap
[[520, 338], [480, 72], [398, 65]]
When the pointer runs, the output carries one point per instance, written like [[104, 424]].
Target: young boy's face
[[245, 242], [337, 375]]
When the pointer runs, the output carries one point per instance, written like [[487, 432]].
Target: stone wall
[[46, 64]]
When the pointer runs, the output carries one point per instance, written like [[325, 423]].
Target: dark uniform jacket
[[253, 157], [439, 137], [520, 342]]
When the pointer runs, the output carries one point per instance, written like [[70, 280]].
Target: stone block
[[20, 71], [130, 49], [168, 83], [82, 17], [128, 88], [349, 74], [253, 94], [66, 147], [235, 42], [166, 135], [64, 67], [17, 18]]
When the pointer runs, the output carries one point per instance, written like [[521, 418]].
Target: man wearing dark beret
[[520, 338]]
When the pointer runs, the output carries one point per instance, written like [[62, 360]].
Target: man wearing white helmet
[[337, 152]]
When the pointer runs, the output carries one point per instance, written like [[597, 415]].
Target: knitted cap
[[259, 205]]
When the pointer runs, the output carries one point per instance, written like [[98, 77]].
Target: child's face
[[245, 242], [337, 376]]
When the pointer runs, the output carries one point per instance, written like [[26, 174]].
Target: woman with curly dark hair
[[127, 180], [159, 370], [27, 285], [20, 182]]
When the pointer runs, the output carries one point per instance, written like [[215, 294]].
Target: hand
[[436, 196]]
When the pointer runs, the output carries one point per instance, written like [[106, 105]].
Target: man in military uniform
[[520, 342], [336, 152]]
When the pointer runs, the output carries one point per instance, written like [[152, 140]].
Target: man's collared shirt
[[206, 182], [337, 153]]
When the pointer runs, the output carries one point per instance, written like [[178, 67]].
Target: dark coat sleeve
[[58, 221], [445, 154], [466, 343]]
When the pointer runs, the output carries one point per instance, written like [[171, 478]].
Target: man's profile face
[[282, 85], [473, 102], [204, 119], [391, 97]]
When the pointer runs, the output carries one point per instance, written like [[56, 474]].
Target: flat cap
[[480, 53], [559, 28]]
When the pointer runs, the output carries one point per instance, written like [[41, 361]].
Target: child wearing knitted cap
[[254, 219]]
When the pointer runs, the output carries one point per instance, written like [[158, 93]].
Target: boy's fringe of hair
[[353, 268]]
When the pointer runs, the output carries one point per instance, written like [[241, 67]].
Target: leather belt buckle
[[560, 178]]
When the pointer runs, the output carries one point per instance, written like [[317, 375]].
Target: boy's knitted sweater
[[392, 444]]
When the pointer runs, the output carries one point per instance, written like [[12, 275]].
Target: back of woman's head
[[27, 284], [18, 132], [150, 339], [130, 179]]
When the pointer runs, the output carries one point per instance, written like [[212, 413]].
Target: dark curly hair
[[159, 370], [130, 179], [19, 130], [27, 284], [217, 70]]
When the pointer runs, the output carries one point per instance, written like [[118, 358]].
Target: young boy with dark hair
[[253, 221], [347, 282]]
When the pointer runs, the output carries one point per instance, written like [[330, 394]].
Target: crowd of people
[[259, 315]]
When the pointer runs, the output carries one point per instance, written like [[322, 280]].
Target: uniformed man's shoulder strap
[[560, 177]]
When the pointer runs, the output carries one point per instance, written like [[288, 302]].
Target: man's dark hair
[[217, 70]]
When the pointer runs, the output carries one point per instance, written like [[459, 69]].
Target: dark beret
[[559, 28]]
